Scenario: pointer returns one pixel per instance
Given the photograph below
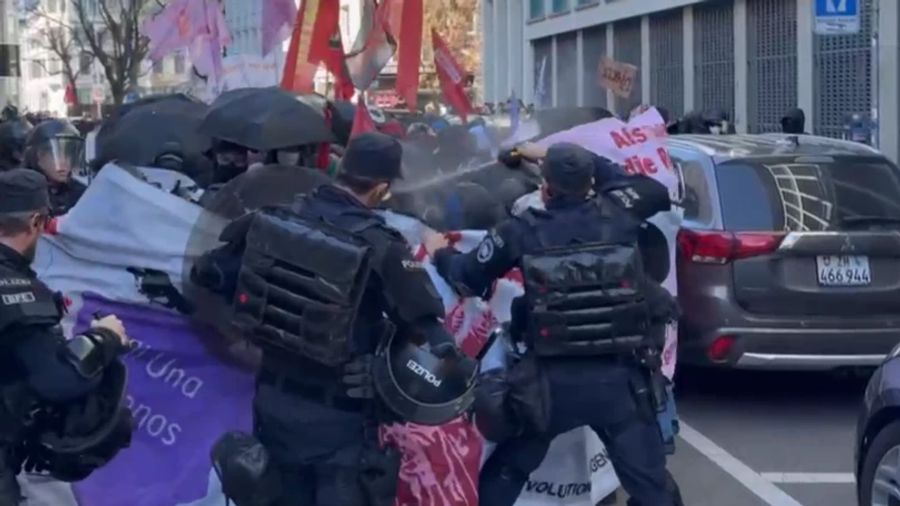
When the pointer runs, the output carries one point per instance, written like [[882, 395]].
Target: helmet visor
[[60, 156]]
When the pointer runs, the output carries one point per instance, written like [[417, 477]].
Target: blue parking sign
[[836, 17]]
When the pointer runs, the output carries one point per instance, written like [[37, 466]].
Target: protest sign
[[617, 77], [184, 394]]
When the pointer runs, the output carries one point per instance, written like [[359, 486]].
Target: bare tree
[[109, 30], [57, 38]]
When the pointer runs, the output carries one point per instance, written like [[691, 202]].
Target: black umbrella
[[342, 114], [109, 124], [265, 119], [156, 128]]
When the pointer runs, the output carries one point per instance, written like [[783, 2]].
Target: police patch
[[412, 265], [18, 298], [485, 251]]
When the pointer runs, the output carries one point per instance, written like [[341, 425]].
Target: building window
[[54, 66], [588, 2], [51, 5], [560, 6], [37, 69], [158, 67], [179, 63], [84, 63], [84, 96], [536, 9]]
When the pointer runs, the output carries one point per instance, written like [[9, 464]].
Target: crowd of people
[[590, 315]]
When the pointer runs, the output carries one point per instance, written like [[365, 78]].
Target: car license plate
[[843, 270]]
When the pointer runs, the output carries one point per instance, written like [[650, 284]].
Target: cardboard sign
[[617, 77]]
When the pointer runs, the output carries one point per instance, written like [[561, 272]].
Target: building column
[[579, 68], [645, 59], [487, 50], [515, 27], [741, 111], [611, 54], [805, 67], [528, 72], [888, 78], [553, 71], [501, 43], [688, 57]]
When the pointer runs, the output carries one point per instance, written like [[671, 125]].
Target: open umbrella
[[156, 128], [265, 119], [109, 126]]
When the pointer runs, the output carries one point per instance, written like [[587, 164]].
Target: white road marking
[[809, 477], [763, 488]]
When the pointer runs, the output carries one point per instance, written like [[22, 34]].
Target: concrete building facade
[[753, 59]]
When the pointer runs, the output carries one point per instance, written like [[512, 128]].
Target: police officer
[[593, 373], [13, 134], [34, 356], [308, 419], [55, 148]]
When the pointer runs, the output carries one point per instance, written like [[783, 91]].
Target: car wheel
[[879, 481]]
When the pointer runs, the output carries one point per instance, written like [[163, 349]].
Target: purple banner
[[182, 398]]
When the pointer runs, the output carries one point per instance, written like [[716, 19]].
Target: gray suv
[[789, 255]]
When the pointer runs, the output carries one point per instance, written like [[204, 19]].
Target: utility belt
[[332, 396]]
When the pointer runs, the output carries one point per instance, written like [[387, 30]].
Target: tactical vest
[[582, 272], [300, 285]]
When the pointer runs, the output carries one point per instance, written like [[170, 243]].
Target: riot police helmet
[[421, 387], [55, 148], [13, 134]]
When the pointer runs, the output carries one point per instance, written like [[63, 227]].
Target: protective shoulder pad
[[26, 301]]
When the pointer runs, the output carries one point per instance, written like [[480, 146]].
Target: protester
[[55, 148], [794, 122]]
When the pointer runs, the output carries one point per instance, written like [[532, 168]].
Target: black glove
[[357, 378], [445, 350], [510, 157]]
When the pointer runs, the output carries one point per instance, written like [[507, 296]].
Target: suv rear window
[[806, 193]]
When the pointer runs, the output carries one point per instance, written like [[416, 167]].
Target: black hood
[[793, 122]]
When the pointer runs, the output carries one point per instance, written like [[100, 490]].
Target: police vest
[[300, 284], [583, 276]]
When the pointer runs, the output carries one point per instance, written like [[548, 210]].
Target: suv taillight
[[715, 247]]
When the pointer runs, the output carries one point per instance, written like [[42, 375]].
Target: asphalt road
[[762, 438]]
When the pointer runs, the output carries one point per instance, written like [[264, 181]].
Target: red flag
[[365, 64], [362, 121], [70, 98], [335, 63], [451, 76], [409, 37], [313, 28]]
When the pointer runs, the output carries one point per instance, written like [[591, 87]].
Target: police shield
[[212, 260]]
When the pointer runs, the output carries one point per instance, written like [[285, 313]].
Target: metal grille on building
[[714, 58], [627, 49], [543, 72], [842, 84], [567, 69], [593, 49], [772, 62], [667, 61]]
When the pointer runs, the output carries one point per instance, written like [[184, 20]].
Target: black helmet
[[60, 141], [85, 436], [419, 386], [13, 134]]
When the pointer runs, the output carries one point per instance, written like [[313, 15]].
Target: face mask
[[228, 171], [290, 158]]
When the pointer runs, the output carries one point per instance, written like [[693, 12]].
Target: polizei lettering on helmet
[[420, 370]]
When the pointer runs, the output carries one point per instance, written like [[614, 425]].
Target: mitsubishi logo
[[848, 246]]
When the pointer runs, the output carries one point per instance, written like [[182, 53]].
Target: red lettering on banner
[[621, 142], [639, 135], [664, 156], [649, 168]]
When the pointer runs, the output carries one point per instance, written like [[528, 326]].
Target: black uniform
[[35, 358], [65, 196], [606, 390], [314, 431]]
